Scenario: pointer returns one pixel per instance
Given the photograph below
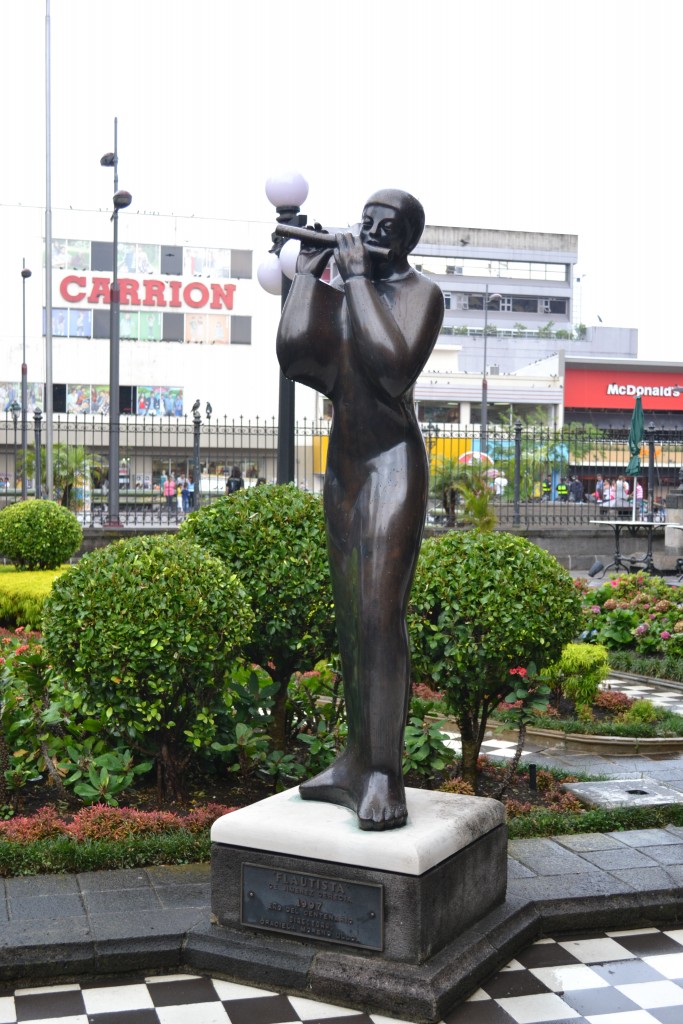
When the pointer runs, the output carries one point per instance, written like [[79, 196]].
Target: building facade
[[195, 325]]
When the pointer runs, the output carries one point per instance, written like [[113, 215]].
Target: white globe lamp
[[289, 254], [269, 274], [287, 188]]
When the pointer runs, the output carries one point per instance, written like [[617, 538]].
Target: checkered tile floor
[[173, 999], [661, 696], [619, 977]]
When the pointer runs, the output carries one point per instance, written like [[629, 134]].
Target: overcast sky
[[538, 115]]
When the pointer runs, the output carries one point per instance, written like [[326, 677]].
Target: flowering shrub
[[612, 701], [635, 612], [109, 823]]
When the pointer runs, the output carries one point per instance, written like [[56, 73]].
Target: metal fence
[[537, 476]]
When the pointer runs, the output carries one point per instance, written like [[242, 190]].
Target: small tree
[[144, 632], [483, 603], [273, 539], [37, 534]]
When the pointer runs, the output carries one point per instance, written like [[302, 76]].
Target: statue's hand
[[352, 257], [313, 260]]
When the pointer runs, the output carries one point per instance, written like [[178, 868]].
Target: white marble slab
[[439, 825]]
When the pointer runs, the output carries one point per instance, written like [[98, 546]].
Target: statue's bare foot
[[377, 797], [335, 785], [383, 802]]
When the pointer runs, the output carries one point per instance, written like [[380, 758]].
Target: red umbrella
[[470, 457]]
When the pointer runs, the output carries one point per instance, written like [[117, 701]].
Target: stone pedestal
[[305, 870]]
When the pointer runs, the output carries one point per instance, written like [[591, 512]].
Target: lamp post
[[25, 274], [286, 191], [484, 383], [197, 466], [121, 201], [15, 409], [37, 421]]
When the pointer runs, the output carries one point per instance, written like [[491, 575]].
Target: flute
[[319, 239]]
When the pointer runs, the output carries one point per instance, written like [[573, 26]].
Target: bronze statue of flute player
[[362, 342]]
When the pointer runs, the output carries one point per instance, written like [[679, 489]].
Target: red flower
[[519, 671]]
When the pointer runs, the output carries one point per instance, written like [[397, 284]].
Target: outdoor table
[[631, 562]]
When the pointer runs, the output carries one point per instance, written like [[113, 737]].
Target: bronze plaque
[[312, 906]]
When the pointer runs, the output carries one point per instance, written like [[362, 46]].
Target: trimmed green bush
[[578, 672], [37, 534], [273, 539], [144, 631], [481, 605]]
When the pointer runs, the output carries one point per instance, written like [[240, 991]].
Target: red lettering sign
[[149, 292], [66, 283], [129, 292], [196, 286], [222, 293], [100, 290], [154, 293], [617, 389]]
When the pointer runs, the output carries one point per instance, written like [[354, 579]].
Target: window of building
[[506, 304], [70, 254], [447, 300], [173, 327], [240, 330], [241, 263], [554, 306], [102, 256], [171, 262], [433, 412]]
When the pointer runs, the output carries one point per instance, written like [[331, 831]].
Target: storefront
[[603, 393]]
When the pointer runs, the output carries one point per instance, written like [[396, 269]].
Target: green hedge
[[22, 595]]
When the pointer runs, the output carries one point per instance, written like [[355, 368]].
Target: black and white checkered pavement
[[617, 977], [170, 999], [620, 977], [658, 694]]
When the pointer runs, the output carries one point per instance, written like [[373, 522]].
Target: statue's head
[[393, 219]]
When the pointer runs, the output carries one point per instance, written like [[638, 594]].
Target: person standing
[[235, 481], [169, 491]]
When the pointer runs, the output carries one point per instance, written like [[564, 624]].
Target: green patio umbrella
[[635, 438]]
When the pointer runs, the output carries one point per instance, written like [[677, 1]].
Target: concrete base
[[440, 873], [624, 793]]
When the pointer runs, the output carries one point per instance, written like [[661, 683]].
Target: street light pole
[[25, 274], [484, 382], [15, 409], [286, 191], [121, 201], [196, 458]]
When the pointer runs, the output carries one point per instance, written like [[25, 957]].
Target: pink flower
[[665, 634], [642, 628], [518, 671], [596, 609], [614, 583]]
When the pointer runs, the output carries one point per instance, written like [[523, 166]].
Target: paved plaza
[[620, 961]]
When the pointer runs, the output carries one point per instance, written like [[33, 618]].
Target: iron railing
[[527, 467]]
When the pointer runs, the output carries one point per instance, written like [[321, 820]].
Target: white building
[[196, 325]]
